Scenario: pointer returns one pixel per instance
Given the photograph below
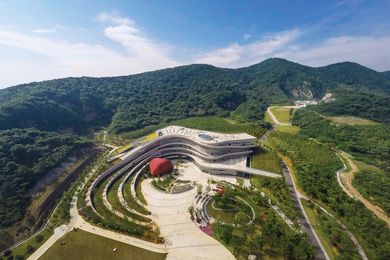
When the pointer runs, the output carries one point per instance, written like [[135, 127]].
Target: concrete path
[[184, 240], [83, 225], [58, 233], [78, 222]]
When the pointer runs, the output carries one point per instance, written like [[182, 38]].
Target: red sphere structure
[[159, 166]]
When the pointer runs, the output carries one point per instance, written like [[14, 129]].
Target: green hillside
[[386, 74], [26, 155], [132, 102], [360, 104]]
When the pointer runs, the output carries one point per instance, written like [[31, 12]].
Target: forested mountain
[[26, 155], [360, 104], [132, 102], [387, 74]]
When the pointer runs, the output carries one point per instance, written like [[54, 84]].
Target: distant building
[[304, 103]]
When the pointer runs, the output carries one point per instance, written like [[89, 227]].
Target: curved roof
[[206, 137]]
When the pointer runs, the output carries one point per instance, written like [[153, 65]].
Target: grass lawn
[[288, 129], [350, 120], [34, 242], [113, 198], [266, 237], [282, 113], [138, 191], [130, 200], [228, 216], [267, 118], [263, 159], [84, 245]]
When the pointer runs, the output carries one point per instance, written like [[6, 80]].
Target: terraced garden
[[106, 208]]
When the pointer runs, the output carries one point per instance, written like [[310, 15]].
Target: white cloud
[[137, 45], [223, 56], [54, 29], [246, 36], [55, 58], [43, 30], [236, 55], [368, 50]]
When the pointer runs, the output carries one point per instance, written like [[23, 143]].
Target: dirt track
[[347, 178]]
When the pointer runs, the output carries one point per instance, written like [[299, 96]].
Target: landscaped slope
[[369, 143], [314, 166]]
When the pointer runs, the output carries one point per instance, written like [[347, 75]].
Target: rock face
[[159, 166], [303, 91], [329, 97]]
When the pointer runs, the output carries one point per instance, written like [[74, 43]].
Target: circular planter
[[225, 209]]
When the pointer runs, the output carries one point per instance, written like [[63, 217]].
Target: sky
[[42, 40]]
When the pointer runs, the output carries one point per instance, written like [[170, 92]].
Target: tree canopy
[[25, 156], [132, 102]]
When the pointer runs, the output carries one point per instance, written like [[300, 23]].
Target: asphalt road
[[302, 217]]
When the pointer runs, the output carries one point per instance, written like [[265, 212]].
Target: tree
[[199, 188], [208, 188], [191, 211], [30, 249], [38, 238]]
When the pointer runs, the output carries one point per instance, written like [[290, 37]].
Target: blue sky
[[42, 40]]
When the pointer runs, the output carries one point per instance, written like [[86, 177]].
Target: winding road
[[345, 180], [297, 195], [275, 119]]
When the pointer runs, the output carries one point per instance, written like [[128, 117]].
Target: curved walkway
[[120, 194], [183, 239]]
